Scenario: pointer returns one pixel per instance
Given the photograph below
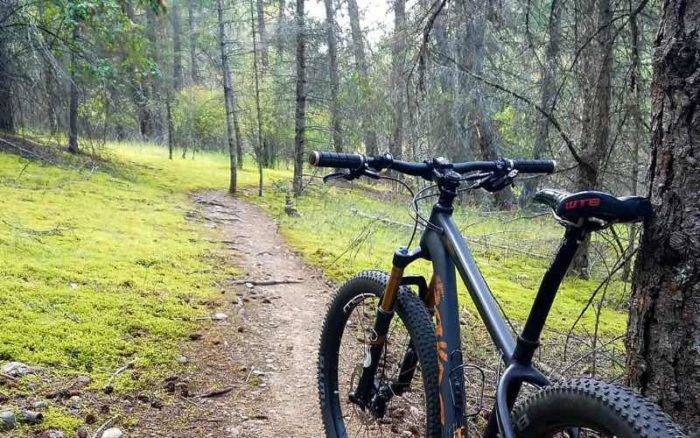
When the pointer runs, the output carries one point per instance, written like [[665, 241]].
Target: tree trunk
[[483, 136], [259, 151], [171, 129], [445, 131], [638, 130], [262, 32], [336, 130], [177, 46], [73, 108], [596, 110], [279, 39], [300, 113], [548, 89], [663, 335], [151, 87], [358, 46], [398, 52], [192, 34], [7, 121], [232, 129]]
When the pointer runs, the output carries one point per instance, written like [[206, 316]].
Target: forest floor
[[263, 358]]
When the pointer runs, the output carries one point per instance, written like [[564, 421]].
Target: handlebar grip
[[336, 159], [534, 166]]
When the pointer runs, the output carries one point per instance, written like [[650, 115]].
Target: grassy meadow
[[101, 267]]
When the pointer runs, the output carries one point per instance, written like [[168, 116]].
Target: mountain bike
[[382, 375]]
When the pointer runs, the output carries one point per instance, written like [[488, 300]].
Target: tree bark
[[483, 136], [548, 89], [398, 49], [171, 128], [7, 120], [192, 33], [73, 106], [597, 70], [262, 33], [232, 129], [300, 112], [177, 46], [663, 335], [638, 129], [279, 39], [259, 151], [358, 46], [153, 116], [336, 129]]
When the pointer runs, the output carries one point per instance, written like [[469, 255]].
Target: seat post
[[529, 339]]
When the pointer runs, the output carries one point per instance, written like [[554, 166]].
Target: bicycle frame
[[447, 249]]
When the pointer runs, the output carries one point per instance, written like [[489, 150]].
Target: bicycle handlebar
[[355, 161]]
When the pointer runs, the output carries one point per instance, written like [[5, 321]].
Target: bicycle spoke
[[405, 412]]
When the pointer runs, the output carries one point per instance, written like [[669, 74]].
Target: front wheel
[[595, 408], [412, 405]]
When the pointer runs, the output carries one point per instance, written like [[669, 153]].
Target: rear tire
[[414, 319], [598, 408]]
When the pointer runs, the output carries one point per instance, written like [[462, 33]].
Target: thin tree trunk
[[232, 130], [139, 83], [7, 120], [262, 32], [177, 46], [171, 130], [279, 39], [663, 335], [398, 49], [548, 89], [73, 108], [52, 101], [192, 33], [596, 122], [259, 152], [152, 91], [368, 134], [638, 129], [300, 113], [484, 138], [445, 129], [336, 130]]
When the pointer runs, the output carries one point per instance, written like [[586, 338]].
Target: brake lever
[[498, 181], [332, 176], [353, 174]]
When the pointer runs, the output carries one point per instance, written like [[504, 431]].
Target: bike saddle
[[592, 206]]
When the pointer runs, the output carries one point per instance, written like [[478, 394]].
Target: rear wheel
[[344, 342], [596, 409]]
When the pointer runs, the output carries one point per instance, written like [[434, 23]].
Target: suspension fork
[[385, 312], [426, 292]]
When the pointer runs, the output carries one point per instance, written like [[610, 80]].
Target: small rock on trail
[[17, 369], [112, 432], [8, 420]]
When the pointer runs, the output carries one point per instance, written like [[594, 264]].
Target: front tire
[[597, 408], [416, 412]]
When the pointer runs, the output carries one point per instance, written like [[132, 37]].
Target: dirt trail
[[265, 352]]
